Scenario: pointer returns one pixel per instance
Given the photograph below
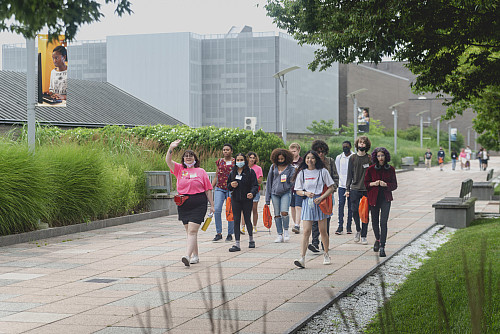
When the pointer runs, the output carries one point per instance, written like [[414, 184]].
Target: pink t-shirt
[[257, 170], [191, 181]]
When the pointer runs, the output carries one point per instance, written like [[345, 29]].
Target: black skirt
[[194, 209]]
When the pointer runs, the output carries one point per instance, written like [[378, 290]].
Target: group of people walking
[[464, 158], [296, 184]]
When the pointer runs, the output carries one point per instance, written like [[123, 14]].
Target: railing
[[158, 180]]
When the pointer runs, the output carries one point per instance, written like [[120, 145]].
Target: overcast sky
[[162, 16]]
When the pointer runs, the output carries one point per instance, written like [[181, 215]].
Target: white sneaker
[[194, 260], [279, 238], [326, 259], [358, 235], [364, 241], [286, 236], [301, 263]]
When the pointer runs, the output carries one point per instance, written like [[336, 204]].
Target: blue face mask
[[240, 164]]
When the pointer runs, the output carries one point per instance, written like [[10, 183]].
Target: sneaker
[[286, 236], [349, 231], [279, 238], [339, 231], [229, 238], [255, 229], [251, 244], [218, 237], [234, 249], [364, 241], [301, 263], [382, 252], [376, 246], [358, 235], [326, 259], [296, 229], [194, 260], [185, 260], [242, 231], [313, 248]]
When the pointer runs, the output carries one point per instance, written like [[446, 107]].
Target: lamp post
[[395, 114], [449, 134], [438, 119], [30, 88], [421, 114], [355, 109], [468, 134], [281, 77]]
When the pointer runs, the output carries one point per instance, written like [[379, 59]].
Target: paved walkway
[[106, 281]]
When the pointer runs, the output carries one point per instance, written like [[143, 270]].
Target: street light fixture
[[352, 95], [421, 114], [438, 119], [449, 134], [395, 113], [281, 77]]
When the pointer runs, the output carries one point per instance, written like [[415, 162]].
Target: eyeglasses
[[188, 155]]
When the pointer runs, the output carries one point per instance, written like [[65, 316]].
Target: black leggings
[[239, 206], [355, 196], [380, 216]]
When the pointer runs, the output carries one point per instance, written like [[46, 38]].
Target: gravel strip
[[364, 300]]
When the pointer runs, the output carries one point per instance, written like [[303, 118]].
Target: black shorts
[[194, 209]]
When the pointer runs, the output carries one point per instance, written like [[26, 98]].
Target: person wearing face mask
[[380, 181], [355, 185], [242, 182], [278, 186], [192, 181], [342, 163]]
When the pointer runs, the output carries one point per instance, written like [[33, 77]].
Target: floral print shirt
[[223, 169]]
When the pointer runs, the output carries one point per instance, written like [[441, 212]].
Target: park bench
[[484, 191], [407, 163], [456, 212], [159, 191]]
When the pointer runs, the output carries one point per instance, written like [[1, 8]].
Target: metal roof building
[[90, 104]]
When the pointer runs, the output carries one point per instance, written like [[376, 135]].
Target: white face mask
[[240, 164], [190, 165]]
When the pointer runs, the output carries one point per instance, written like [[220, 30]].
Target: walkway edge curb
[[9, 240], [298, 326]]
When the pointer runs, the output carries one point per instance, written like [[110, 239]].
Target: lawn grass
[[415, 307]]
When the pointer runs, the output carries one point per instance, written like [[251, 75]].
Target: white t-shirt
[[312, 181], [58, 82]]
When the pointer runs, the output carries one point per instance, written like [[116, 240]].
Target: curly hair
[[365, 140], [320, 145], [281, 151], [383, 150]]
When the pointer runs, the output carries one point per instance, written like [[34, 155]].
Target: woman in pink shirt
[[192, 181], [253, 160]]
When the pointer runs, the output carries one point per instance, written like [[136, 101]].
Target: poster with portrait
[[453, 134], [52, 71], [363, 119]]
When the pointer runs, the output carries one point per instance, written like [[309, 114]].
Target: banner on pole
[[363, 120], [52, 71]]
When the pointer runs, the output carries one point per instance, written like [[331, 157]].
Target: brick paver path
[[107, 281]]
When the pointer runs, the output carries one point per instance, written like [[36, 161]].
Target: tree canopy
[[61, 17], [451, 45]]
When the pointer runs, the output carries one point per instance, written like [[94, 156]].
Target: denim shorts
[[256, 198], [296, 200]]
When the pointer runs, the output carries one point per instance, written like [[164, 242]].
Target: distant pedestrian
[[454, 158], [309, 181], [380, 180], [468, 155], [358, 164], [192, 182], [320, 147], [463, 158], [484, 159], [440, 156], [221, 193], [242, 182], [253, 160], [278, 189], [296, 201], [428, 158], [342, 163]]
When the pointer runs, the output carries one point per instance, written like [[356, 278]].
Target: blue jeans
[[453, 163], [220, 195], [281, 203], [342, 201]]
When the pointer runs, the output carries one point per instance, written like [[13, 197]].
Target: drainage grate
[[101, 280]]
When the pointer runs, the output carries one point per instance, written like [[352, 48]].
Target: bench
[[484, 191], [159, 191], [456, 212], [407, 163]]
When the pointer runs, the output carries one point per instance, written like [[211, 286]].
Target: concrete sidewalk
[[106, 281]]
